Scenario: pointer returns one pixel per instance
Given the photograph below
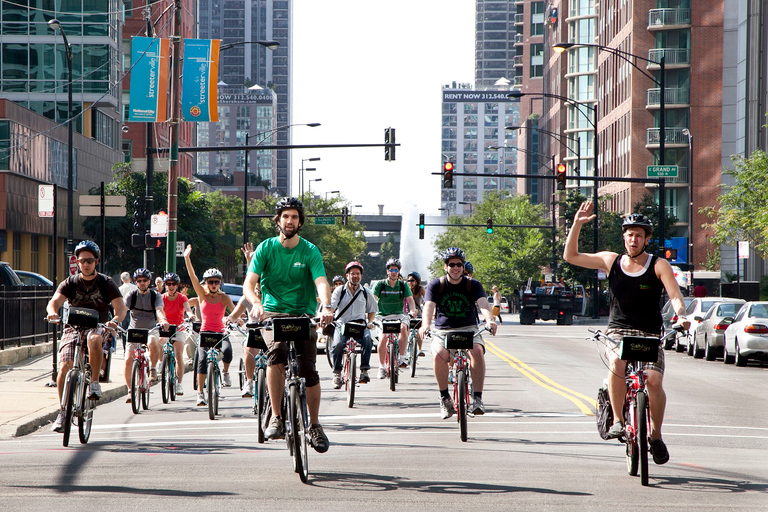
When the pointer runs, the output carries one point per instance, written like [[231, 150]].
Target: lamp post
[[309, 185], [471, 206], [559, 138], [56, 25], [332, 192], [301, 172], [691, 263]]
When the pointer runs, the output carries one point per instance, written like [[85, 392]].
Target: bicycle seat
[[76, 316]]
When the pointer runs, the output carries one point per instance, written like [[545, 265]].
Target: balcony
[[518, 39], [517, 81], [674, 137], [519, 19], [673, 57], [667, 19], [674, 97], [518, 60]]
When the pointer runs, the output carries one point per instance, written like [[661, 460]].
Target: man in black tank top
[[636, 281]]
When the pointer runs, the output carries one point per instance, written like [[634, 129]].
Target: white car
[[708, 336], [747, 336], [697, 308]]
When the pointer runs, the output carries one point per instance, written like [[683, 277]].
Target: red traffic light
[[561, 169], [448, 166]]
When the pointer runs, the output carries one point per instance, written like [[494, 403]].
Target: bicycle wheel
[[146, 384], [85, 417], [642, 436], [298, 431], [241, 373], [633, 457], [135, 384], [173, 379], [414, 354], [165, 378], [217, 392], [328, 351], [210, 383], [69, 408], [461, 399], [261, 400], [194, 372], [351, 379], [392, 366]]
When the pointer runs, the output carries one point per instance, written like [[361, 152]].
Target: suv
[[7, 276]]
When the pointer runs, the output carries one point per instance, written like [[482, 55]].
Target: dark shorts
[[306, 352]]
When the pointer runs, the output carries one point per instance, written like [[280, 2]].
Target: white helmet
[[211, 272]]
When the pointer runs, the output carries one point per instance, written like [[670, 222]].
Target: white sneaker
[[446, 408], [94, 391], [248, 389], [450, 376], [382, 372], [337, 382], [201, 400], [58, 425], [179, 389], [227, 380]]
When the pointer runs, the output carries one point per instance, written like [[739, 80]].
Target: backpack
[[604, 413], [152, 298]]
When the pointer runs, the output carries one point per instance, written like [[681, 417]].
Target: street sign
[[45, 201], [744, 250], [109, 211], [72, 265], [325, 221], [96, 200], [662, 171], [158, 228], [180, 249]]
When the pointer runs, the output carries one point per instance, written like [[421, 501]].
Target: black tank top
[[635, 300]]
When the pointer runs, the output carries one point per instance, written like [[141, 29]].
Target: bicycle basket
[[391, 326], [460, 340], [170, 332], [291, 328], [255, 340], [415, 323], [81, 317], [353, 330], [196, 326], [638, 348], [209, 339], [139, 336]]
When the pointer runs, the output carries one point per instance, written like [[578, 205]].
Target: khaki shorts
[[612, 351]]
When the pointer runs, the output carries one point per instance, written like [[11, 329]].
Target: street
[[536, 448]]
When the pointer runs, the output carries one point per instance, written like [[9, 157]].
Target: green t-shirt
[[288, 276], [391, 298]]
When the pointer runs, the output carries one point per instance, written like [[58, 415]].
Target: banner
[[200, 76], [149, 79]]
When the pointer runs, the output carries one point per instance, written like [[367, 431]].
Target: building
[[246, 64], [498, 42]]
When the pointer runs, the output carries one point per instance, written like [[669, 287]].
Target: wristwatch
[[327, 306]]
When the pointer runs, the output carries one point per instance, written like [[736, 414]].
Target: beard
[[288, 232]]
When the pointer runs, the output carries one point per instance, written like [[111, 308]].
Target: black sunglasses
[[454, 265]]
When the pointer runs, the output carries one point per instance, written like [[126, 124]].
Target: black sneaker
[[318, 439], [364, 378], [616, 431], [659, 451]]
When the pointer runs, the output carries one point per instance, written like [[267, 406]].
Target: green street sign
[[325, 221], [662, 171]]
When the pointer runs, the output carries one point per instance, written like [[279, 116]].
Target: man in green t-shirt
[[393, 294], [285, 276]]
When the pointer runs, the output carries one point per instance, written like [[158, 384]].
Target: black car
[[7, 276]]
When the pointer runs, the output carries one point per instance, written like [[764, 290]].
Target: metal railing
[[667, 17], [672, 96], [672, 56], [671, 136], [22, 311]]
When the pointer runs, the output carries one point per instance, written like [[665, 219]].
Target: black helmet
[[452, 252], [87, 245], [395, 262], [142, 272], [469, 267], [172, 277], [637, 220]]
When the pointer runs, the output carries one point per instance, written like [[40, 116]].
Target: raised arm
[[199, 290], [601, 260]]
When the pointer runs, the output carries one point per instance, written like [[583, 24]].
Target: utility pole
[[173, 167]]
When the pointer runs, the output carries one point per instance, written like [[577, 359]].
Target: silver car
[[697, 308], [747, 336], [708, 336], [669, 318]]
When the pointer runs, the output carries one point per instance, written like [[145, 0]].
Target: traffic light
[[389, 140], [421, 226], [139, 220], [489, 226], [670, 254], [344, 216], [448, 175], [560, 176]]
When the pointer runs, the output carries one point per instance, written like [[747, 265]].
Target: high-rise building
[[496, 35]]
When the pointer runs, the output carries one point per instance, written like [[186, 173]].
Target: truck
[[551, 303]]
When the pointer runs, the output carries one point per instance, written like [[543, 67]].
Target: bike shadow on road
[[710, 484]]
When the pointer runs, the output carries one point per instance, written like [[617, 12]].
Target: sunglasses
[[411, 280], [171, 284], [393, 270], [87, 260], [142, 280], [214, 282], [454, 265]]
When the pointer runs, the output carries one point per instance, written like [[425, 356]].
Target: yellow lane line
[[587, 406]]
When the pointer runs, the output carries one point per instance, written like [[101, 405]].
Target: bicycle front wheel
[[461, 399], [211, 384], [328, 351], [299, 433], [69, 408], [173, 378], [414, 355], [194, 372], [633, 457], [85, 417], [392, 366], [146, 384], [351, 379], [241, 373], [165, 375], [261, 400], [642, 436], [135, 386]]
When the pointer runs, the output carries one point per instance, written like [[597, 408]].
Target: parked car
[[697, 308], [7, 276], [669, 318], [747, 336], [708, 336], [33, 278], [235, 291]]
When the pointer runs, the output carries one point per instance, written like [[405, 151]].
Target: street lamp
[[691, 263], [56, 25], [302, 170], [332, 192], [559, 138], [309, 185], [269, 45], [471, 206]]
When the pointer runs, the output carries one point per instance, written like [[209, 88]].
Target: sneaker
[[275, 428], [227, 380], [318, 439], [446, 408], [94, 391], [382, 372], [403, 362], [478, 408], [153, 375], [201, 400], [659, 451], [364, 378], [450, 376], [179, 389], [58, 425], [616, 430], [248, 389], [128, 400], [422, 354], [337, 381]]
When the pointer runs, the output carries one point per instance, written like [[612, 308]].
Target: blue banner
[[200, 76], [149, 79]]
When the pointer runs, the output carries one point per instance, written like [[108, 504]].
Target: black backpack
[[604, 415], [152, 298]]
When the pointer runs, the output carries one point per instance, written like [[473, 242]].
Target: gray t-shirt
[[143, 312]]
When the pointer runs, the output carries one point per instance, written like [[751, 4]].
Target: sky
[[360, 67]]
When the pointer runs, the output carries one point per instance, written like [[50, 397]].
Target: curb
[[10, 356]]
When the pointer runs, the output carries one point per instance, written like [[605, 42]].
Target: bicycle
[[75, 403], [140, 382], [256, 340], [168, 376], [213, 382], [460, 342], [636, 351], [413, 344], [353, 331], [391, 331]]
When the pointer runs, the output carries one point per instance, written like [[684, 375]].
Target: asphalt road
[[536, 448]]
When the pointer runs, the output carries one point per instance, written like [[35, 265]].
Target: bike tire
[[146, 384], [351, 380], [69, 408], [261, 400], [414, 355], [392, 366], [165, 378], [298, 431], [210, 383], [633, 457], [173, 379], [461, 399], [194, 371], [217, 391], [328, 351], [642, 436], [241, 373], [135, 383], [85, 418]]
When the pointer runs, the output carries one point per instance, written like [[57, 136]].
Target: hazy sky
[[360, 67]]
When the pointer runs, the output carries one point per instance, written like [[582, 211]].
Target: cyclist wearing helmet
[[354, 303], [88, 289], [176, 304], [636, 281], [213, 305], [417, 291], [337, 281], [469, 269], [285, 276], [392, 294], [452, 301]]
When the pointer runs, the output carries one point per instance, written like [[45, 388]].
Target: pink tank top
[[212, 315]]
